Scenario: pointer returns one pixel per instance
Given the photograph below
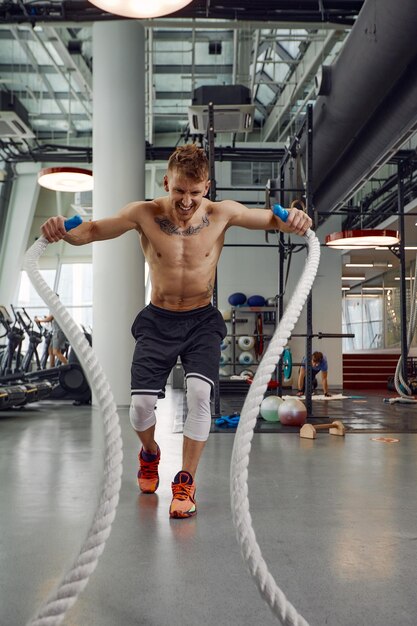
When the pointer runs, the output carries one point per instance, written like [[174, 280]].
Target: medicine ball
[[237, 299], [256, 301]]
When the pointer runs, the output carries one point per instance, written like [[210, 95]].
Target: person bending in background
[[318, 364], [58, 341], [182, 235]]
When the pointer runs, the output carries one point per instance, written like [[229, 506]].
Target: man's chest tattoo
[[172, 229]]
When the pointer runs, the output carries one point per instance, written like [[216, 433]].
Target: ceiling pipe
[[380, 46]]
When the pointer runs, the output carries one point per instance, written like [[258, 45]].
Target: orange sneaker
[[183, 492], [148, 478]]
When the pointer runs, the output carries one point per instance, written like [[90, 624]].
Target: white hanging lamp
[[66, 179], [141, 8], [362, 239]]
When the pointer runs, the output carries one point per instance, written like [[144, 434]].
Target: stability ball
[[245, 358], [292, 412], [225, 358], [270, 408], [246, 343], [225, 343]]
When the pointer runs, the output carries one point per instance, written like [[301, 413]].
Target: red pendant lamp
[[66, 179], [141, 8], [362, 239]]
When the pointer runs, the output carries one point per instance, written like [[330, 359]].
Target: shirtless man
[[181, 235]]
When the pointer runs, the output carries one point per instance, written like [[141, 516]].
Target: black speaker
[[221, 94]]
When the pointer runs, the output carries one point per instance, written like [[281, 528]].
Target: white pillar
[[119, 178], [18, 223]]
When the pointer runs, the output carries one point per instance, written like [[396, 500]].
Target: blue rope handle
[[73, 222], [280, 212]]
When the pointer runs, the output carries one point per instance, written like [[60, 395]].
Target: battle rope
[[76, 579], [272, 594]]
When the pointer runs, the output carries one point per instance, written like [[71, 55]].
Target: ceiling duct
[[354, 118], [14, 119], [394, 122], [232, 109]]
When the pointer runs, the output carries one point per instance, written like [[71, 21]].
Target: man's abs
[[181, 291]]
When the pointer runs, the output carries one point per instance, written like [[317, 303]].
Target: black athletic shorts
[[162, 336]]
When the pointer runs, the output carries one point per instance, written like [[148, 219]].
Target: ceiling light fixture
[[362, 239], [353, 277], [359, 264], [141, 8], [66, 179]]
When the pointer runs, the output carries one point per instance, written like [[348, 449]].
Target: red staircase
[[368, 370]]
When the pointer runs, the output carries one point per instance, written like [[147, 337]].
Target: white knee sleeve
[[198, 422], [142, 412]]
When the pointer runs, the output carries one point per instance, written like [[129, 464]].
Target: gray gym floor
[[335, 519]]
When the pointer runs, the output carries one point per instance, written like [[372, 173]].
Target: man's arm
[[97, 230], [300, 383], [264, 219], [324, 383]]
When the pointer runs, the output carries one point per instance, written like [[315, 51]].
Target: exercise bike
[[66, 381]]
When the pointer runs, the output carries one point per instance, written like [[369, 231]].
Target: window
[[75, 288], [374, 319], [29, 298], [253, 173]]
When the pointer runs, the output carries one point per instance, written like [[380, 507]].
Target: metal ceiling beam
[[9, 68], [58, 117], [74, 93], [263, 78], [262, 48], [282, 52], [27, 50], [291, 127], [254, 57], [37, 94], [181, 70], [55, 153], [81, 72], [201, 36], [242, 57], [305, 71], [182, 25]]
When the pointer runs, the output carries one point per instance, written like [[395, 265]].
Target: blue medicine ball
[[237, 299], [256, 301]]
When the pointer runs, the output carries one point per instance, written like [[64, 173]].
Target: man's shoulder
[[223, 208], [151, 205], [138, 208]]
